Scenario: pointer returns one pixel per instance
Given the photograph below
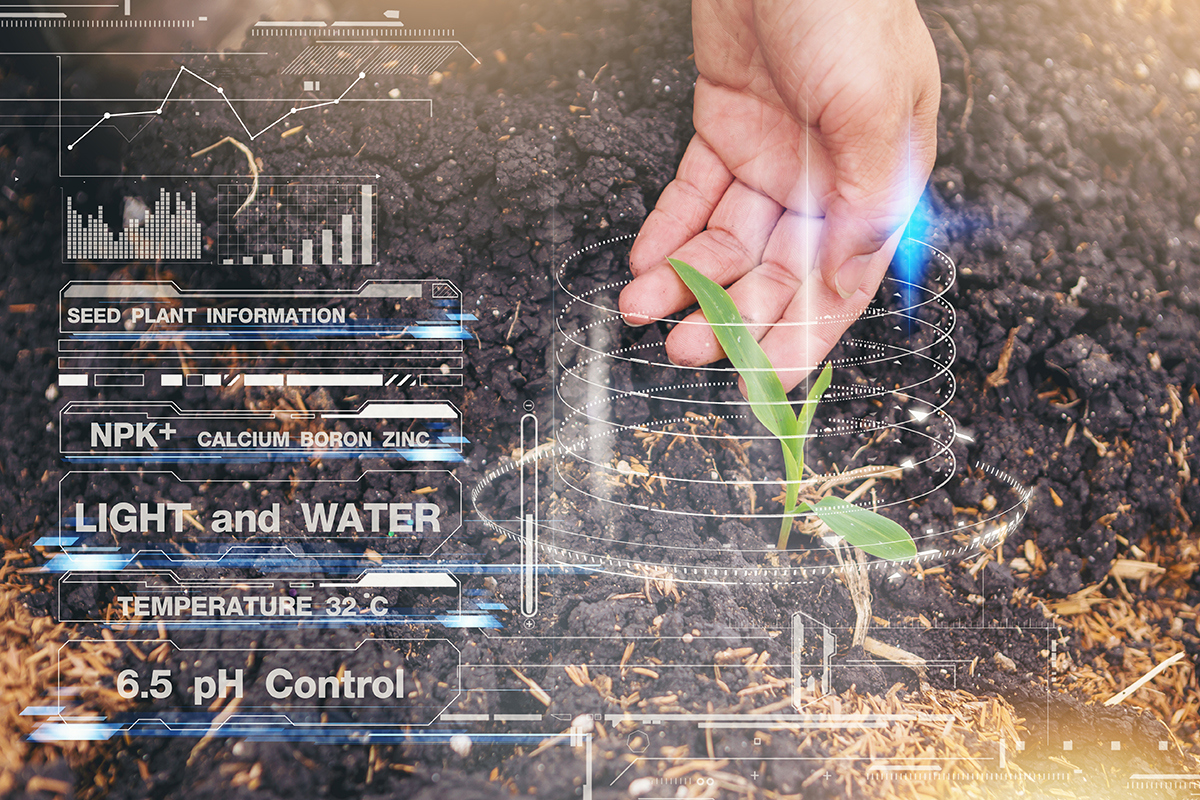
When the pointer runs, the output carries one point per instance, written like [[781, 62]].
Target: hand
[[816, 129]]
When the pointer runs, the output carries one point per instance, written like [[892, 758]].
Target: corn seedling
[[860, 527]]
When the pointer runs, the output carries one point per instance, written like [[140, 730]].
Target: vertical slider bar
[[306, 252], [326, 246], [367, 223], [797, 657], [587, 770], [529, 516], [347, 238], [828, 648]]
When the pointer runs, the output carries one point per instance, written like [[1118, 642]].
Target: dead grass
[[30, 677], [1142, 614], [945, 740]]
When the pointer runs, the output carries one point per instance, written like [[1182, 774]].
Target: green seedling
[[861, 527]]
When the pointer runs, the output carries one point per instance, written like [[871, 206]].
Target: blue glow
[[277, 559], [74, 732], [325, 623], [328, 734], [43, 711], [92, 562], [909, 261], [56, 541], [469, 621], [258, 456], [438, 332]]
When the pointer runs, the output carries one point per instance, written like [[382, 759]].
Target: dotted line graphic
[[596, 420]]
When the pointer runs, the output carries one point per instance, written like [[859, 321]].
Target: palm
[[763, 146], [813, 120], [759, 123]]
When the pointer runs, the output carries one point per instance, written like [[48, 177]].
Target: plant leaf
[[767, 398], [805, 417], [809, 409], [866, 530], [791, 493]]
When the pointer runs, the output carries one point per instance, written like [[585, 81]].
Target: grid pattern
[[296, 224]]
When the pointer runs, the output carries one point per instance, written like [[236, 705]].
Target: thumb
[[879, 175], [849, 242]]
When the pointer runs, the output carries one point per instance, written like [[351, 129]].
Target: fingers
[[817, 316], [684, 207], [797, 318], [762, 294], [881, 159], [878, 182], [737, 234], [849, 245]]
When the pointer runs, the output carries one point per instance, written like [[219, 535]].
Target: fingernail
[[635, 318], [628, 304], [850, 275]]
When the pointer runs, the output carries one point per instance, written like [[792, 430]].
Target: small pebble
[[460, 743], [1191, 79], [641, 786], [1004, 662]]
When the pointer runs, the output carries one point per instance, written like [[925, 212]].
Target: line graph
[[108, 115]]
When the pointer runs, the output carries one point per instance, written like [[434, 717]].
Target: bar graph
[[165, 233], [296, 224]]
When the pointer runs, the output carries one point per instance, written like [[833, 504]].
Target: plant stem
[[791, 490], [786, 529]]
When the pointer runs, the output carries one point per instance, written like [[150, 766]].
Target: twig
[[854, 576], [893, 653], [860, 491], [516, 314], [534, 689], [1142, 681], [859, 473], [1000, 376], [249, 158], [625, 657]]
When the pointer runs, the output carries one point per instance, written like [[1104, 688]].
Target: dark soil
[[1067, 192]]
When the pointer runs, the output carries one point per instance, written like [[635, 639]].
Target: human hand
[[816, 129]]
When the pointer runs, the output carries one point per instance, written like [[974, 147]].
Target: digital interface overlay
[[301, 499]]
